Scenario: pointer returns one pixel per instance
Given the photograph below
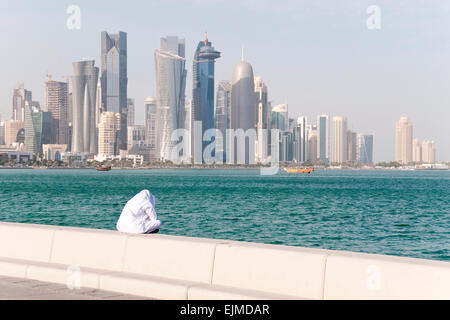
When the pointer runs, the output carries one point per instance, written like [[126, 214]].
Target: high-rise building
[[38, 129], [243, 97], [262, 117], [188, 125], [312, 143], [280, 117], [323, 138], [108, 132], [136, 136], [223, 115], [20, 96], [114, 79], [301, 140], [2, 133], [286, 146], [340, 140], [130, 116], [150, 122], [203, 85], [170, 93], [428, 152], [243, 115], [57, 103], [98, 104], [417, 151], [351, 146], [84, 89], [403, 141], [12, 128], [365, 149]]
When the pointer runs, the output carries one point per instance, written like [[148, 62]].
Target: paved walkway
[[25, 289]]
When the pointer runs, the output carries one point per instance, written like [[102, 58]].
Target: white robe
[[139, 215]]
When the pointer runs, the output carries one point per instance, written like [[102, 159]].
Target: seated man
[[139, 215]]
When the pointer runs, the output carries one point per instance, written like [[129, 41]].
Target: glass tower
[[114, 79], [203, 85], [170, 90]]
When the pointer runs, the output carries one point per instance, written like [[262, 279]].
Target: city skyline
[[366, 111]]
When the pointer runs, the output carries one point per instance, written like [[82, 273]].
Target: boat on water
[[297, 170], [103, 168]]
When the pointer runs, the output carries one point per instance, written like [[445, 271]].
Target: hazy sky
[[319, 56]]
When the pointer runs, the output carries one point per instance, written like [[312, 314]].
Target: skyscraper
[[12, 128], [130, 116], [150, 122], [38, 129], [84, 89], [403, 141], [243, 115], [203, 85], [262, 117], [114, 79], [417, 151], [312, 144], [365, 149], [2, 133], [323, 138], [280, 117], [428, 152], [351, 146], [170, 90], [300, 152], [108, 131], [20, 96], [57, 103], [243, 106], [340, 140], [223, 114]]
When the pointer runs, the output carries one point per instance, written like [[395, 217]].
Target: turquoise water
[[388, 212]]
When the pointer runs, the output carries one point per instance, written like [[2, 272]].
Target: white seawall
[[170, 267]]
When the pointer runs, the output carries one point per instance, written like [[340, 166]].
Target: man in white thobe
[[139, 215]]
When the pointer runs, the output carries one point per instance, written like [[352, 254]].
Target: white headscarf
[[139, 214]]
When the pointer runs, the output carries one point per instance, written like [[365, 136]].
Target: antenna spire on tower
[[242, 57]]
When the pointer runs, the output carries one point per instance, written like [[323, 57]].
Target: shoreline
[[224, 168]]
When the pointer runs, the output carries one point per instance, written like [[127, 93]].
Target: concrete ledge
[[385, 277], [169, 267]]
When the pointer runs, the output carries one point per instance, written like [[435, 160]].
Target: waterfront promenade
[[26, 289], [159, 266]]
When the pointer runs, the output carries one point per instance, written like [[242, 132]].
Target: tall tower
[[323, 138], [262, 117], [170, 90], [223, 114], [403, 141], [340, 140], [108, 129], [417, 151], [131, 114], [203, 85], [84, 89], [57, 103], [20, 96], [243, 106], [114, 79], [365, 148], [351, 146]]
